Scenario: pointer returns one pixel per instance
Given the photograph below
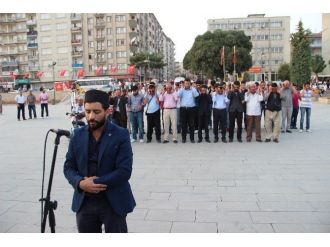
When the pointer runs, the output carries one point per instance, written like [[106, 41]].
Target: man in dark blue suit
[[98, 165]]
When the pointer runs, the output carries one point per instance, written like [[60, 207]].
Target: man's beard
[[97, 124]]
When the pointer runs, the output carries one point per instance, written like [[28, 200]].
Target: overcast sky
[[183, 20]]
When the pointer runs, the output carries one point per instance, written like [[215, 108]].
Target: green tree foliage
[[317, 64], [301, 56], [284, 72], [143, 60], [204, 56]]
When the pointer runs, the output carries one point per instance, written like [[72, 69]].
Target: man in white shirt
[[20, 101], [253, 111]]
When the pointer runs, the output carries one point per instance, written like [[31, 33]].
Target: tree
[[301, 56], [317, 64], [284, 72], [204, 55]]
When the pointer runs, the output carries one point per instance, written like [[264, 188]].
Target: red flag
[[234, 55], [113, 69], [98, 71], [62, 72], [26, 75], [131, 69], [222, 55], [80, 73], [12, 75], [40, 74]]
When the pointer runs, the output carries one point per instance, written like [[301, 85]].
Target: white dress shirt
[[20, 99], [253, 107]]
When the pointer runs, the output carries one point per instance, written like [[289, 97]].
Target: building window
[[44, 16], [122, 66], [61, 38], [90, 20], [109, 55], [90, 44], [45, 27], [109, 31], [120, 18], [46, 51], [46, 39], [90, 32], [120, 30], [120, 54], [62, 50], [61, 26], [90, 68], [120, 42], [109, 18], [60, 15], [109, 43]]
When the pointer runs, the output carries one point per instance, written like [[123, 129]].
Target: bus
[[101, 83]]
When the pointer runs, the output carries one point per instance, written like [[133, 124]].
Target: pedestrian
[[98, 165], [273, 114], [204, 100], [287, 107], [20, 101], [136, 103], [0, 104], [253, 111], [187, 97], [169, 99], [31, 101], [244, 90], [295, 105], [119, 115], [43, 98], [306, 95], [178, 86], [236, 98], [219, 102], [151, 101]]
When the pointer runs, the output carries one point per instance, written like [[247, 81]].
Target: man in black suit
[[119, 115], [204, 101]]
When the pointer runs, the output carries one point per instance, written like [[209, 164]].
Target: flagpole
[[234, 63]]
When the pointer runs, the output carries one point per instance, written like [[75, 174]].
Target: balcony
[[77, 53], [76, 41], [100, 37], [32, 33], [8, 19], [99, 15], [76, 29], [100, 48], [77, 65], [132, 35], [34, 68], [75, 17], [10, 64], [101, 61], [132, 23], [100, 24], [32, 46], [33, 57], [31, 23]]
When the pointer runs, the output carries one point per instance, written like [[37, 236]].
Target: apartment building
[[326, 41], [270, 37], [55, 42], [316, 43]]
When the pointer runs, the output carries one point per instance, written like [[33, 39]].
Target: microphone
[[61, 132]]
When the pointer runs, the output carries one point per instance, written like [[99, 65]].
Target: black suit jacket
[[122, 106], [204, 104], [236, 99]]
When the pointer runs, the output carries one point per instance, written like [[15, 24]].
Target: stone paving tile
[[147, 226], [285, 206], [238, 206], [186, 227], [244, 228], [184, 205], [239, 197], [223, 216], [171, 215], [139, 214], [284, 217]]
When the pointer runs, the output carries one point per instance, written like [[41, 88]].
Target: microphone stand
[[50, 206]]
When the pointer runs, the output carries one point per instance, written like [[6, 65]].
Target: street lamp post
[[53, 67]]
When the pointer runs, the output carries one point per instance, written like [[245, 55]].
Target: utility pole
[[53, 67]]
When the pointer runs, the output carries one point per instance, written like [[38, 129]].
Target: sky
[[183, 20]]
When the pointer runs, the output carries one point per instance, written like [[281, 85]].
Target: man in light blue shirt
[[220, 101], [153, 113], [187, 96]]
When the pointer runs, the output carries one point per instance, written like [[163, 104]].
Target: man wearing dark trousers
[[187, 97], [220, 101], [20, 101], [204, 101], [98, 165], [153, 113], [119, 115], [236, 99]]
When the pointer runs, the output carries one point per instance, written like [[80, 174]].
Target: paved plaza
[[207, 187]]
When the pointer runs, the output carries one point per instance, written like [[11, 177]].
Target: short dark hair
[[187, 79], [236, 83]]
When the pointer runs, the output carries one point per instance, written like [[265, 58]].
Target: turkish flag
[[131, 69], [26, 75], [80, 73], [40, 74], [113, 69], [62, 72], [98, 71]]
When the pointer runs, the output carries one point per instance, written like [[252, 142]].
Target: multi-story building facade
[[316, 43], [270, 37], [326, 42], [51, 43]]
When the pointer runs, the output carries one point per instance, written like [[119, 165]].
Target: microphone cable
[[43, 177]]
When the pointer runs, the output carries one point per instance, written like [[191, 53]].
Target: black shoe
[[240, 140], [288, 131], [192, 141], [294, 128], [267, 140], [276, 140], [207, 140], [282, 131], [200, 140], [175, 141], [215, 140], [148, 141], [230, 140], [224, 140], [259, 140], [159, 141], [165, 141], [183, 141]]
